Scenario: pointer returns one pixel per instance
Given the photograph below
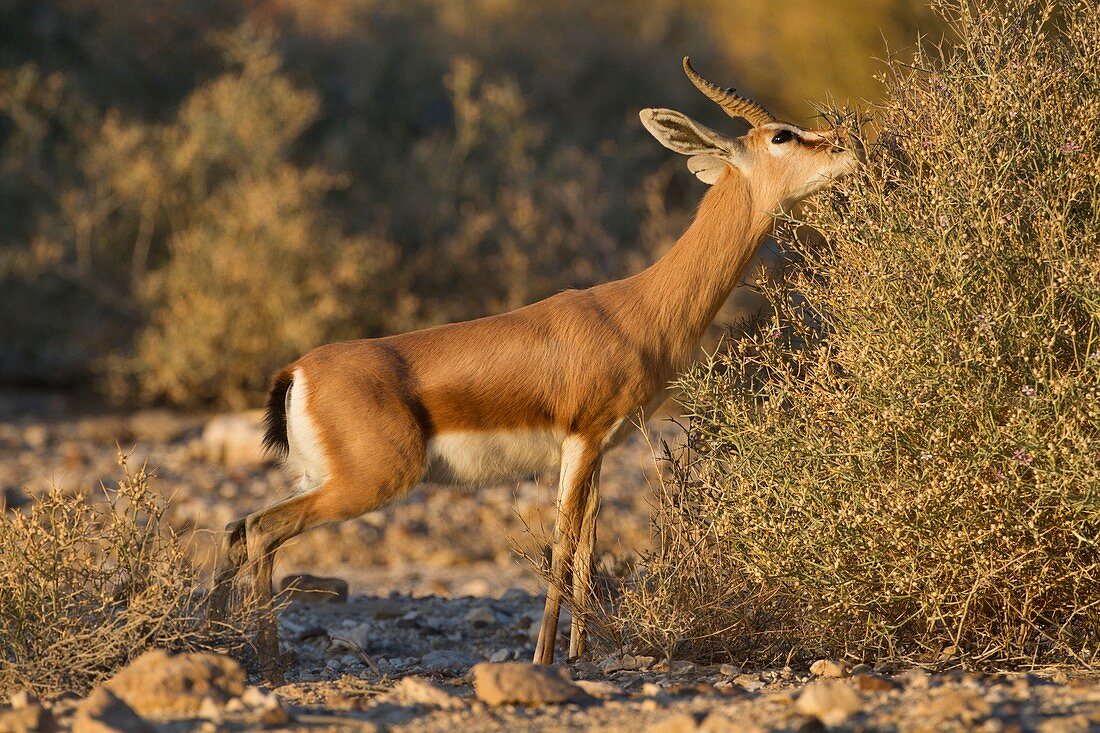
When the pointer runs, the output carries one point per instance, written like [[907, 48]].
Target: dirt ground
[[438, 584]]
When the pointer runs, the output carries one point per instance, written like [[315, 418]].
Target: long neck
[[683, 290]]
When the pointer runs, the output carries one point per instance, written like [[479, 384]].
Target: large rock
[[159, 683], [830, 701], [523, 683], [104, 712], [236, 439]]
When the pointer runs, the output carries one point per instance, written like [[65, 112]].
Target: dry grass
[[903, 463], [90, 584]]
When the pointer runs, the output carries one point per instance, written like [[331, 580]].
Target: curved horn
[[734, 104]]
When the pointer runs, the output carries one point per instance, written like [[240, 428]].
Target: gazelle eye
[[782, 136]]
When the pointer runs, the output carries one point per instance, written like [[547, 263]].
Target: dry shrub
[[904, 462], [89, 585]]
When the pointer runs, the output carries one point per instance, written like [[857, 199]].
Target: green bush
[[905, 463]]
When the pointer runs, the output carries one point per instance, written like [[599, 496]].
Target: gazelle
[[553, 384]]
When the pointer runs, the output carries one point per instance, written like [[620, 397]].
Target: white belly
[[484, 457]]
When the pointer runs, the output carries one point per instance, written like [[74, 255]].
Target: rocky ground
[[441, 605]]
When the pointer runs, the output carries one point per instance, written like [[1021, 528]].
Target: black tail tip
[[275, 440]]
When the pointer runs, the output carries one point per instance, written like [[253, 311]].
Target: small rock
[[386, 608], [953, 705], [103, 712], [314, 589], [158, 682], [352, 639], [235, 440], [717, 722], [750, 682], [599, 688], [832, 668], [266, 707], [480, 615], [729, 670], [873, 683], [523, 683], [916, 679], [626, 662], [445, 660], [254, 697], [23, 699], [274, 715], [680, 723], [36, 436], [830, 701], [311, 632], [475, 587], [157, 426], [501, 655], [861, 669], [420, 691], [210, 710], [27, 718]]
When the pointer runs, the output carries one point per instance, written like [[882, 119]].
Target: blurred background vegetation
[[193, 192]]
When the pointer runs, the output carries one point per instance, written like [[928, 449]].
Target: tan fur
[[578, 365]]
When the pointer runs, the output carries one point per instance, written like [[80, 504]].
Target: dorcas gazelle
[[554, 384]]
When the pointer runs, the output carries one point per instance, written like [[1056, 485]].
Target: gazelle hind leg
[[578, 464], [265, 531], [583, 592]]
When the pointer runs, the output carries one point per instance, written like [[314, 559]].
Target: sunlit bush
[[92, 581], [905, 462]]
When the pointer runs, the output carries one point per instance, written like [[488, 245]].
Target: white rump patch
[[306, 459], [482, 457]]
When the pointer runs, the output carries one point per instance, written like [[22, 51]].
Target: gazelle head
[[781, 162]]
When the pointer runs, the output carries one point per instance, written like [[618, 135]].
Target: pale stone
[[235, 440], [158, 682], [830, 701], [523, 683], [420, 691], [829, 668]]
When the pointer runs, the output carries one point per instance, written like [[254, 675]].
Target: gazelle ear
[[710, 151], [707, 168]]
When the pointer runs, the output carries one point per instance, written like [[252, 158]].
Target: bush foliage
[[91, 584], [905, 462]]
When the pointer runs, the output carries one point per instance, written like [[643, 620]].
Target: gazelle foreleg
[[582, 568], [579, 462]]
